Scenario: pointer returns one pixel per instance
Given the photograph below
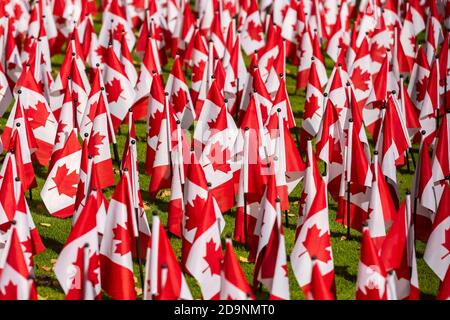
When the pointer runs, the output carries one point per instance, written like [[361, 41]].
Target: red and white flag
[[271, 261], [437, 253], [252, 36], [202, 226], [78, 266], [164, 279], [371, 282], [313, 231], [233, 284]]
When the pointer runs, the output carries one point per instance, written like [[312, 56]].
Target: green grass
[[54, 231]]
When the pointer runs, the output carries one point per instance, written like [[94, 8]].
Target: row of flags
[[224, 140]]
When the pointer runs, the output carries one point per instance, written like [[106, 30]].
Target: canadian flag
[[179, 94], [444, 290], [337, 89], [380, 42], [251, 155], [235, 74], [150, 66], [434, 34], [171, 147], [288, 167], [441, 159], [305, 53], [119, 89], [318, 287], [72, 74], [199, 75], [88, 38], [314, 105], [398, 253], [78, 266], [89, 184], [381, 206], [271, 261], [233, 284], [123, 53], [330, 147], [19, 12], [60, 188], [361, 73], [313, 231], [40, 120], [217, 158], [252, 36], [425, 194], [5, 92], [214, 103], [430, 105], [97, 129], [16, 282], [116, 246], [164, 279], [202, 226], [408, 37], [393, 140], [114, 18], [437, 253], [15, 208], [22, 143], [372, 278], [418, 82], [356, 180], [409, 112], [11, 55], [270, 51]]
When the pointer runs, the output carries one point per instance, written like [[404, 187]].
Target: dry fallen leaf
[[164, 193], [44, 224], [53, 261], [135, 279], [46, 268], [146, 206], [343, 238], [291, 215], [138, 291], [42, 298], [243, 259]]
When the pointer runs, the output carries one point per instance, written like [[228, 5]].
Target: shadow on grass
[[342, 271]]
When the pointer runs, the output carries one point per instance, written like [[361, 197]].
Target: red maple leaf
[[219, 158], [121, 234], [61, 132], [95, 140], [421, 88], [10, 291], [92, 111], [372, 292], [197, 72], [38, 117], [193, 220], [311, 107], [179, 100], [317, 245], [75, 100], [360, 79], [65, 182], [269, 63], [114, 90], [93, 269], [213, 257], [412, 40], [446, 243], [100, 51], [17, 11], [118, 31], [254, 31], [377, 52]]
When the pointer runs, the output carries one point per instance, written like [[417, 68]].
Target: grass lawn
[[54, 231]]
